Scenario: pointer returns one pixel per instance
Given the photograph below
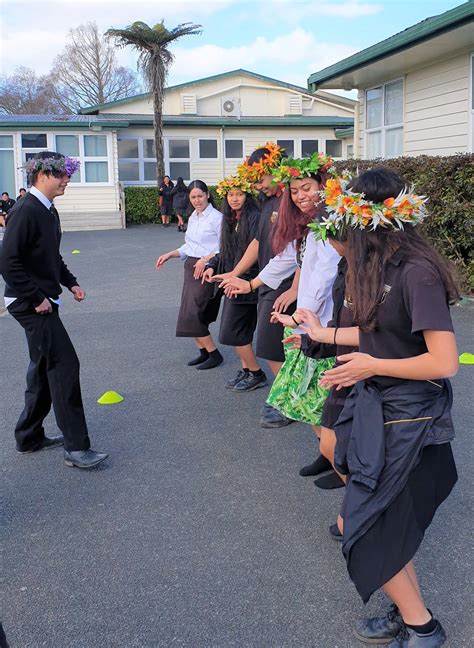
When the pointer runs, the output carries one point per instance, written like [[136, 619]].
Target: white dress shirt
[[47, 203], [203, 233], [318, 272]]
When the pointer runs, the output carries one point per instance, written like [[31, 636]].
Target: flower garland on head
[[291, 169], [237, 183], [349, 209], [253, 172], [64, 165]]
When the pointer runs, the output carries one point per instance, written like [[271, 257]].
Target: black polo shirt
[[414, 301]]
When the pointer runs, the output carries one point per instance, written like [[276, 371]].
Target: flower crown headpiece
[[236, 183], [290, 169], [349, 209], [264, 166], [62, 165]]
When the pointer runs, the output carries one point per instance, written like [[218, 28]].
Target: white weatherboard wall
[[436, 109]]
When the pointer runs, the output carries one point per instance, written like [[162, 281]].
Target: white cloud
[[292, 57]]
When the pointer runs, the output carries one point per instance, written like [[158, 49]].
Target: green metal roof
[[343, 133], [114, 121], [422, 31], [323, 95], [243, 122], [61, 121]]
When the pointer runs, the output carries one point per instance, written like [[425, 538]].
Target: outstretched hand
[[283, 301], [234, 286], [310, 323], [281, 318], [161, 260], [207, 276]]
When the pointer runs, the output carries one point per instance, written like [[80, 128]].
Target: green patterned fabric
[[295, 391]]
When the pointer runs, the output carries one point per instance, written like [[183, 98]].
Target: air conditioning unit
[[230, 107]]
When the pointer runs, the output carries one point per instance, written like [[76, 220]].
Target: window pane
[[393, 103], [288, 147], [394, 142], [128, 148], [350, 151], [150, 171], [374, 145], [128, 171], [308, 147], [374, 107], [31, 140], [7, 172], [207, 148], [149, 148], [334, 148], [95, 146], [234, 149], [179, 148], [96, 171], [6, 141], [182, 169], [67, 145]]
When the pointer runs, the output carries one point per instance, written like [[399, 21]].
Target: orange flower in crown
[[271, 159], [348, 209]]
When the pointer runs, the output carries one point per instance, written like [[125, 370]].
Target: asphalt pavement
[[198, 530]]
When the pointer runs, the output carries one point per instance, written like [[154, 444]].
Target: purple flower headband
[[64, 165]]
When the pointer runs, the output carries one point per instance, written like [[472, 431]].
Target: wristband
[[295, 321], [335, 331], [252, 289]]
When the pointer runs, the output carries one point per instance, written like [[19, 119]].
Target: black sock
[[215, 354], [257, 373], [424, 629], [203, 355]]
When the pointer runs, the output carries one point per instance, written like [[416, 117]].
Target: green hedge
[[449, 184], [448, 181]]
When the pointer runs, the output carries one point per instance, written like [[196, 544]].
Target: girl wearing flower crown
[[394, 433], [239, 316], [296, 392]]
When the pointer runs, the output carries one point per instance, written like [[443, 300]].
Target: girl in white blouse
[[199, 306]]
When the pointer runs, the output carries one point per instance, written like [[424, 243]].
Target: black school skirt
[[238, 322], [395, 537], [269, 336], [199, 305]]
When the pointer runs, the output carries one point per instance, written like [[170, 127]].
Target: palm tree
[[154, 60]]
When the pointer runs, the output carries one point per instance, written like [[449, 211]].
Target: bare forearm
[[296, 280], [422, 367], [249, 259], [348, 336]]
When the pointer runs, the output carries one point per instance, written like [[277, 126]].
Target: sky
[[284, 39]]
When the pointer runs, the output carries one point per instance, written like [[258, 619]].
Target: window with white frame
[[334, 148], [234, 149], [384, 120], [179, 159], [308, 147], [93, 153], [7, 165], [288, 147], [207, 149]]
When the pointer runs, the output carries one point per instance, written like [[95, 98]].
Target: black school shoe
[[230, 384], [408, 638], [46, 444], [335, 533], [251, 382], [272, 418], [380, 630]]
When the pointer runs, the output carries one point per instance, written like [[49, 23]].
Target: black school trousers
[[52, 378]]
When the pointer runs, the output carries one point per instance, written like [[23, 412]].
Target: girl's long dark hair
[[368, 251], [231, 239], [292, 223], [199, 184]]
